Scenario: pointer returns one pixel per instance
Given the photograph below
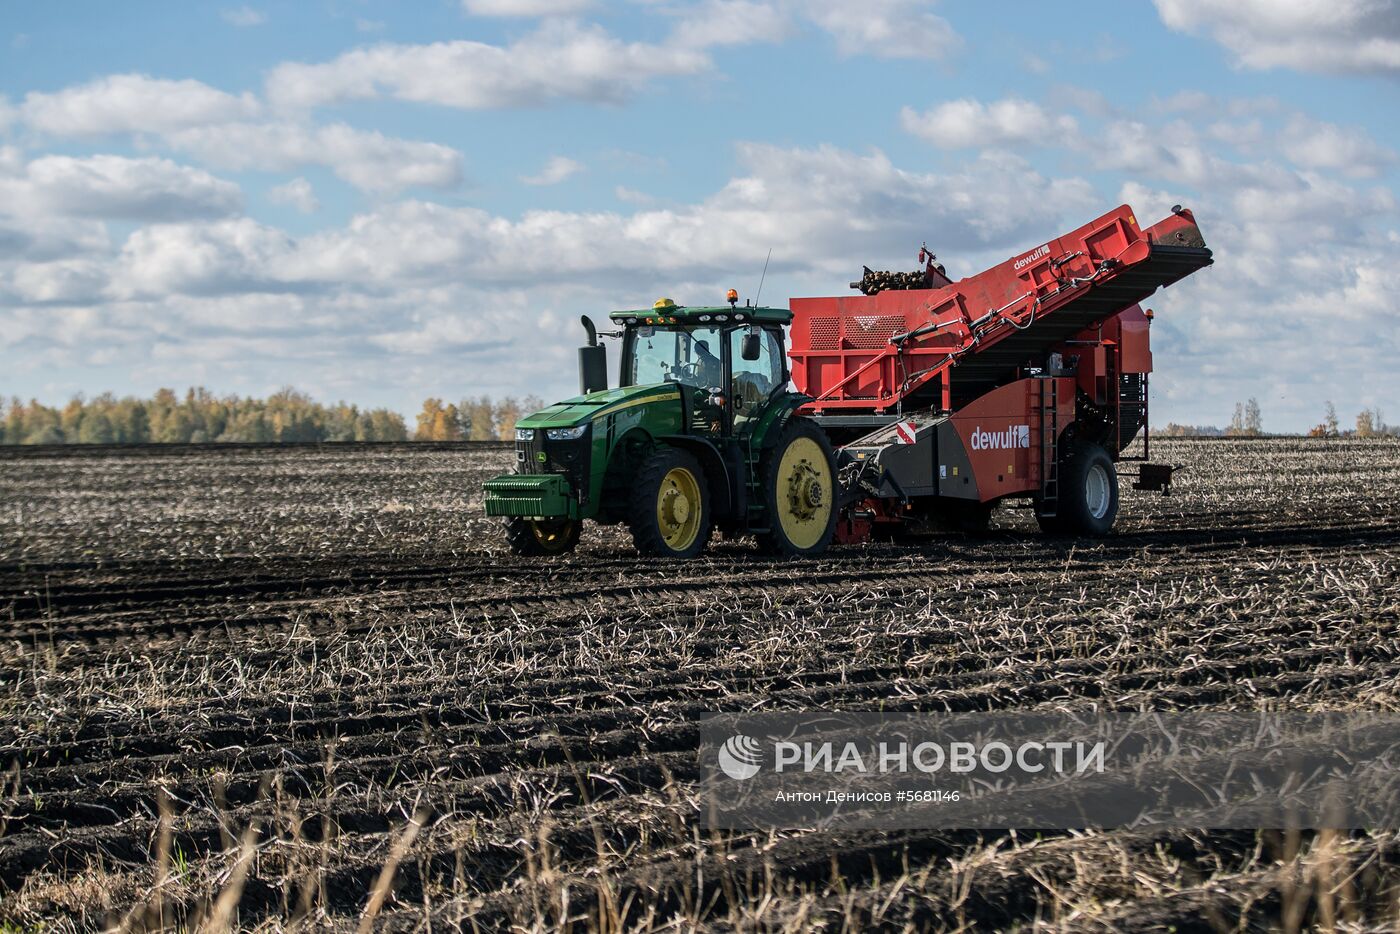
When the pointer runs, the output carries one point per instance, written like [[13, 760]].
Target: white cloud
[[821, 209], [1316, 144], [525, 7], [244, 16], [73, 281], [132, 104], [297, 194], [560, 61], [117, 188], [366, 159], [11, 160], [730, 22], [965, 124], [7, 114], [1309, 35], [223, 257], [632, 196], [556, 170], [208, 123], [884, 28], [43, 238], [1175, 152]]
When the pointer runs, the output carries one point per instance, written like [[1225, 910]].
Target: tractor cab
[[728, 363]]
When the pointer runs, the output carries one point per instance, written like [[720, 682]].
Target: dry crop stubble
[[315, 650]]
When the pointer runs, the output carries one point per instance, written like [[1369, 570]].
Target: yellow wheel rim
[[678, 508], [805, 491]]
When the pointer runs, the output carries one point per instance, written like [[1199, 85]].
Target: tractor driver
[[707, 366]]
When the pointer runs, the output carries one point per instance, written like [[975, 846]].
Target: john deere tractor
[[700, 434]]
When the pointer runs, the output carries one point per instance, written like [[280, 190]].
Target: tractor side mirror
[[592, 362], [752, 346]]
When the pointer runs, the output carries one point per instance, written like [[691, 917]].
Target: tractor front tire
[[799, 492], [535, 538], [669, 513], [1088, 501]]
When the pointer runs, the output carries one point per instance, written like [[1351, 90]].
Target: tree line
[[479, 419], [1248, 422], [201, 417], [1370, 423], [197, 418]]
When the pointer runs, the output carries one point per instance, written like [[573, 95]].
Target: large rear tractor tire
[[542, 537], [669, 513], [1088, 495], [799, 492]]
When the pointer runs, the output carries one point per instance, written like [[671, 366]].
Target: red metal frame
[[841, 347]]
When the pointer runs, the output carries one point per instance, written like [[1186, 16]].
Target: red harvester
[[1026, 380]]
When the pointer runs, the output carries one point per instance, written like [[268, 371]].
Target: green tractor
[[701, 434]]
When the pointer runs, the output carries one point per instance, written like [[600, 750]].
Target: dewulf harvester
[[919, 403]]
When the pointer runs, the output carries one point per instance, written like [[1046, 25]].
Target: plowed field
[[309, 686]]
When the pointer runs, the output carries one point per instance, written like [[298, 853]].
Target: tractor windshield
[[676, 355]]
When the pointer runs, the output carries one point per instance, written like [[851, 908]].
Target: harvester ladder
[[1049, 445]]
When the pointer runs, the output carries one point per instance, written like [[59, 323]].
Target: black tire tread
[[1071, 513], [641, 509]]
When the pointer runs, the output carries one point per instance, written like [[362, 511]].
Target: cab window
[[689, 355], [755, 380]]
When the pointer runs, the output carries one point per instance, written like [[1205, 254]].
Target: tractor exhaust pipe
[[592, 361]]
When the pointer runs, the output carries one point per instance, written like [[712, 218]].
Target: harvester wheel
[[670, 509], [1088, 501], [799, 491], [536, 537], [971, 518]]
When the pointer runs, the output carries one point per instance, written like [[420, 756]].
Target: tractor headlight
[[565, 434], [524, 434]]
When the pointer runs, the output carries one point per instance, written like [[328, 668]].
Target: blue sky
[[385, 201]]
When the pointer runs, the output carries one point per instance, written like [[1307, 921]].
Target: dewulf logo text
[[1017, 436], [1031, 257]]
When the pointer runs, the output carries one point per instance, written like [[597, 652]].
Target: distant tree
[[479, 419], [1173, 430], [1236, 422], [42, 425], [1370, 423], [14, 421], [438, 422], [71, 421], [96, 429], [427, 419], [1365, 424], [508, 412], [387, 426], [447, 426], [1253, 422], [1330, 421]]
